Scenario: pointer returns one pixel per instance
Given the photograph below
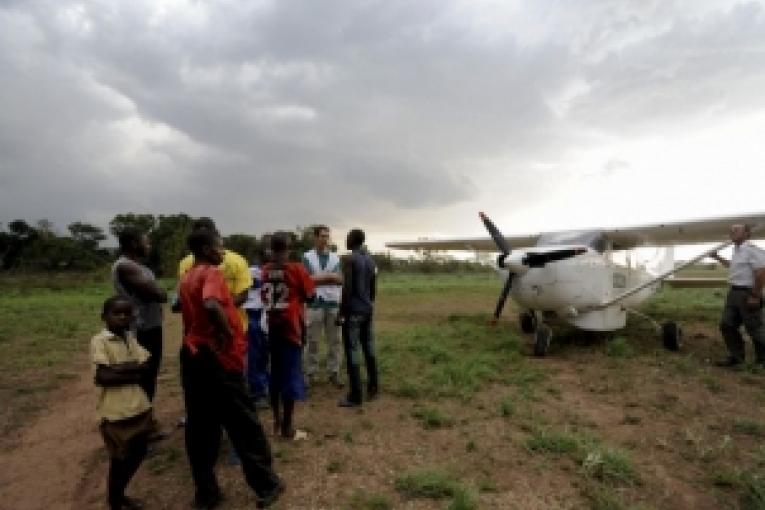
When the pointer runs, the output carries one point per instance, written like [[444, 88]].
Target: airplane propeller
[[530, 259], [499, 240]]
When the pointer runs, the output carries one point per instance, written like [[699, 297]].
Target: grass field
[[467, 419]]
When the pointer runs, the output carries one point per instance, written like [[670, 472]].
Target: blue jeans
[[257, 356], [358, 338]]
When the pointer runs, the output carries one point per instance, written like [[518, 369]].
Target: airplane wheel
[[542, 339], [528, 322], [671, 336]]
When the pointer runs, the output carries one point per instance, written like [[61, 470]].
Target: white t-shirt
[[747, 258]]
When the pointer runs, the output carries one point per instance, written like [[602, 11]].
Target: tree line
[[39, 247]]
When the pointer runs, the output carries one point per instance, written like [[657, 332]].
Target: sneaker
[[334, 380], [270, 497], [729, 362], [346, 402]]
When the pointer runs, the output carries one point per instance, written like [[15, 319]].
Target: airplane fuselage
[[575, 288]]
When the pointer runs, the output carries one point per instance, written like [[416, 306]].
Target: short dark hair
[[200, 238], [204, 222], [111, 302], [318, 228], [356, 238], [280, 242], [128, 238]]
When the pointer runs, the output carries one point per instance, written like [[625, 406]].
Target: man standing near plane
[[324, 267], [743, 305]]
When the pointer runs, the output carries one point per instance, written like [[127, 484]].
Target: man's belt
[[740, 287]]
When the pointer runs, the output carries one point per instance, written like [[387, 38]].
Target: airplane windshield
[[591, 239]]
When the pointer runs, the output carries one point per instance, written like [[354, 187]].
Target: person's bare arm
[[120, 374], [759, 281], [146, 288], [718, 258], [327, 279], [219, 321]]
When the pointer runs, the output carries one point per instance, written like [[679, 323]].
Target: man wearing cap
[[743, 305]]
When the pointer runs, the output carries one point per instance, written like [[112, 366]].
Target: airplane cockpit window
[[592, 239]]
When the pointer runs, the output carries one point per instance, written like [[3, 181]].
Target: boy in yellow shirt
[[120, 365]]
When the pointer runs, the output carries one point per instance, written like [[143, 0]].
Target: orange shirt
[[200, 283], [285, 290]]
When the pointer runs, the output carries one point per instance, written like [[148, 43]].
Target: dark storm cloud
[[272, 111]]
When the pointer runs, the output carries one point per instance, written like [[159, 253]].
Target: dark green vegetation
[[40, 247]]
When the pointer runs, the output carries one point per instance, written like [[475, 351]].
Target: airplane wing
[[708, 230], [685, 232], [465, 243]]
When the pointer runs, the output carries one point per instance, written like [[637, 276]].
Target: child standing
[[286, 288], [120, 366]]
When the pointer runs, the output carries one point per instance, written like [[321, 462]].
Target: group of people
[[245, 329]]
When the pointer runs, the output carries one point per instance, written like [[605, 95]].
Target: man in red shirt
[[287, 286], [212, 368]]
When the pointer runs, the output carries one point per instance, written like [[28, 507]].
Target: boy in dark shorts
[[120, 366], [212, 375], [286, 288]]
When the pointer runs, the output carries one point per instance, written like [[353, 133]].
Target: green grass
[[554, 442], [507, 407], [605, 464], [427, 483], [463, 500], [609, 465], [452, 358], [702, 305], [432, 418], [619, 348], [363, 501], [43, 330], [749, 427]]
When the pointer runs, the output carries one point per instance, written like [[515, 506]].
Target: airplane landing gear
[[542, 339], [528, 322], [671, 335]]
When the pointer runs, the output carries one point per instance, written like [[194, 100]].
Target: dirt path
[[46, 467]]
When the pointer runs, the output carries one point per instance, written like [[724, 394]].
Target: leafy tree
[[88, 236], [245, 245], [142, 222], [168, 240], [22, 230]]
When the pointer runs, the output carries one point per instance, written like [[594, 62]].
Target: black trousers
[[151, 340], [734, 315], [358, 338], [215, 399]]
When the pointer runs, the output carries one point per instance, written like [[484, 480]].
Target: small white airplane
[[573, 275]]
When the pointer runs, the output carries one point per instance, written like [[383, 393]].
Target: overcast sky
[[403, 117]]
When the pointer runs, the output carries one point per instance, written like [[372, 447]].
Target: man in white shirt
[[324, 267], [743, 304]]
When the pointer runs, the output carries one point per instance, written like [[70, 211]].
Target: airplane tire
[[528, 322], [671, 336], [542, 339]]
